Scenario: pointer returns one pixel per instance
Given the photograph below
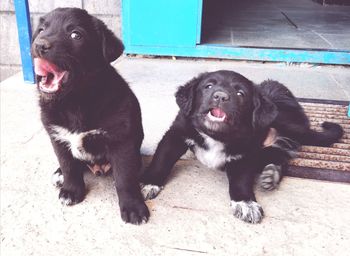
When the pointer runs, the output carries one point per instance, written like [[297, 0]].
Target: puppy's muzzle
[[220, 96], [42, 46]]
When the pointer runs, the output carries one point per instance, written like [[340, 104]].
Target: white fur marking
[[190, 142], [150, 191], [214, 156], [234, 157], [57, 179], [74, 140]]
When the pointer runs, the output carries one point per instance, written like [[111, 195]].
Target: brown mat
[[324, 163]]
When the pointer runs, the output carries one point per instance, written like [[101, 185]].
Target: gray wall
[[10, 61]]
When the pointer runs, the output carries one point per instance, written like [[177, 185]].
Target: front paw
[[71, 196], [150, 191], [248, 211], [135, 212]]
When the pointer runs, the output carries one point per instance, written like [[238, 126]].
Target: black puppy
[[244, 129], [90, 113]]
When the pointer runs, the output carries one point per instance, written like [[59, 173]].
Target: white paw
[[150, 191], [248, 211], [57, 178], [270, 177], [66, 201]]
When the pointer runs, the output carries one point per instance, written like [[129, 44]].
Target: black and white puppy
[[90, 113], [239, 127]]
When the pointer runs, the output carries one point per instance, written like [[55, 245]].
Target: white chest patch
[[74, 141], [213, 155]]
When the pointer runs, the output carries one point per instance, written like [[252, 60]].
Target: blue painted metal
[[161, 23], [125, 4], [199, 21], [242, 53], [25, 37]]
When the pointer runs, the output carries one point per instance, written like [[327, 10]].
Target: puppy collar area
[[49, 75]]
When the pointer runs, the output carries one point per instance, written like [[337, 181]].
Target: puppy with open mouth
[[241, 128], [88, 110]]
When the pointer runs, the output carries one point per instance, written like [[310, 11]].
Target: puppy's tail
[[331, 133]]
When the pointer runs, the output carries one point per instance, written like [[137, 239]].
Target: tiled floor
[[276, 23]]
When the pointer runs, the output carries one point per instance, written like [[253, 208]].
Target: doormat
[[324, 163]]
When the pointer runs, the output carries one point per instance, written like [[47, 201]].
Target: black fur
[[93, 100], [251, 113]]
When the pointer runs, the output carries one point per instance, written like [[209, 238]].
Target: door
[[162, 23]]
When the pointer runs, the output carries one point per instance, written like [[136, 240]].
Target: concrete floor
[[192, 215]]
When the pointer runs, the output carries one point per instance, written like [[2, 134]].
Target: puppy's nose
[[42, 45], [220, 96]]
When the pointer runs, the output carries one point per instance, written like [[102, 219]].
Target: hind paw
[[150, 191], [270, 177]]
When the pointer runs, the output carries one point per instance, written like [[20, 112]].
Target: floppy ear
[[112, 47], [265, 111], [185, 94]]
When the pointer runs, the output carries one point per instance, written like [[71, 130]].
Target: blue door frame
[[25, 37]]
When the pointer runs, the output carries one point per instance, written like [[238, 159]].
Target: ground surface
[[191, 216]]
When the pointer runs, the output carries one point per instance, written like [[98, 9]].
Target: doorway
[[277, 24]]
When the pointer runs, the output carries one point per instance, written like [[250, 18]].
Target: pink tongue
[[44, 67], [217, 112]]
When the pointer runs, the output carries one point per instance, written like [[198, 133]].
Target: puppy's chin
[[215, 119], [210, 124], [215, 126]]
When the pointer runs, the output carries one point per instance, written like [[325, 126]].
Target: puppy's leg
[[241, 177], [169, 150], [126, 163], [72, 189]]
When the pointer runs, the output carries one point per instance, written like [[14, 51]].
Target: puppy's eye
[[75, 35], [208, 86], [240, 93]]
